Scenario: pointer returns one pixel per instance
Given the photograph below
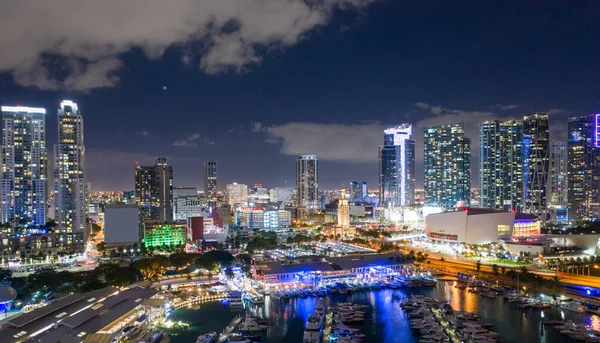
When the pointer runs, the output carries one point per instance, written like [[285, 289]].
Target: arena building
[[479, 226]]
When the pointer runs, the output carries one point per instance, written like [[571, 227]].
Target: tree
[[244, 258], [495, 269], [478, 266], [503, 270], [5, 275], [229, 273], [95, 229], [101, 247]]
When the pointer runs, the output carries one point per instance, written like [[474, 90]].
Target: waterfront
[[385, 321]]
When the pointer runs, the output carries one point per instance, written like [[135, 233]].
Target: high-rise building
[[237, 195], [343, 211], [69, 179], [501, 165], [307, 184], [536, 147], [584, 168], [355, 192], [363, 190], [210, 179], [558, 185], [397, 167], [447, 166], [281, 194], [24, 163], [154, 191]]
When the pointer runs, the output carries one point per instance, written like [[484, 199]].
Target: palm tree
[[495, 269], [478, 266]]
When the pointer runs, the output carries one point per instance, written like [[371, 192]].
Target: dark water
[[385, 321]]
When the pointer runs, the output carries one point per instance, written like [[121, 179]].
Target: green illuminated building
[[159, 235]]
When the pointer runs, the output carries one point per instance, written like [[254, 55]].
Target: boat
[[210, 337], [313, 332], [320, 310], [542, 305], [250, 325], [489, 294], [235, 299], [573, 306]]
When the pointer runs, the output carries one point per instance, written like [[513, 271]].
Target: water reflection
[[385, 321]]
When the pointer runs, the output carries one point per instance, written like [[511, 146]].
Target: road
[[454, 265]]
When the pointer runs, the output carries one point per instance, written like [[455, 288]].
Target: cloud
[[188, 141], [143, 133], [77, 45], [507, 107], [330, 142]]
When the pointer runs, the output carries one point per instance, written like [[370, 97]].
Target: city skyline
[[268, 107]]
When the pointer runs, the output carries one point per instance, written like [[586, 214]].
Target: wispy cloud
[[143, 133], [507, 107], [188, 141]]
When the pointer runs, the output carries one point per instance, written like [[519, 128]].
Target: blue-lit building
[[447, 166], [584, 168], [501, 165], [397, 167]]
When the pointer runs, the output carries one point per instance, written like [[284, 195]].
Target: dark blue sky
[[361, 71]]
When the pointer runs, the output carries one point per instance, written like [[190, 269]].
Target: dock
[[229, 329]]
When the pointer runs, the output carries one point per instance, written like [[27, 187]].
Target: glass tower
[[397, 167], [501, 165], [536, 140], [210, 179], [584, 168], [447, 166], [558, 185], [24, 162], [307, 184], [154, 191]]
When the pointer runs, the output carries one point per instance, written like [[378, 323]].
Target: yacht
[[250, 325], [574, 306], [210, 337], [314, 329], [320, 310]]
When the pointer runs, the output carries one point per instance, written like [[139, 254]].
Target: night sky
[[252, 84]]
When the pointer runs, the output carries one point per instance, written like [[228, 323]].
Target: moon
[[164, 88]]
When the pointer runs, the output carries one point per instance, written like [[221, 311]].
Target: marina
[[457, 313]]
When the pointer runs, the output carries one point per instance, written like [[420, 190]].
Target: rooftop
[[365, 260], [270, 268]]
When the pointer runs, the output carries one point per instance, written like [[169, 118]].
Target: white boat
[[572, 306], [210, 337], [250, 325], [320, 310], [313, 330]]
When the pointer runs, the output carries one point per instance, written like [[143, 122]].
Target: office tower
[[501, 165], [363, 190], [584, 168], [447, 166], [558, 185], [397, 167], [154, 190], [69, 179], [237, 195], [24, 162], [355, 192], [343, 211], [536, 147], [307, 184], [210, 179]]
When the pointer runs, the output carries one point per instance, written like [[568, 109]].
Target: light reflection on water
[[385, 321]]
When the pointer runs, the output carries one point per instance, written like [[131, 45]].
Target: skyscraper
[[536, 147], [501, 165], [584, 168], [24, 162], [355, 192], [558, 185], [69, 179], [210, 179], [363, 190], [237, 195], [447, 166], [397, 167], [307, 184], [154, 190]]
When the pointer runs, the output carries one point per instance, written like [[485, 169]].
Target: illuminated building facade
[[397, 167], [307, 184], [158, 235], [558, 185], [154, 191], [343, 211], [210, 179], [447, 166], [24, 163], [281, 194], [69, 179], [237, 195], [355, 192], [584, 168], [501, 165], [536, 145]]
